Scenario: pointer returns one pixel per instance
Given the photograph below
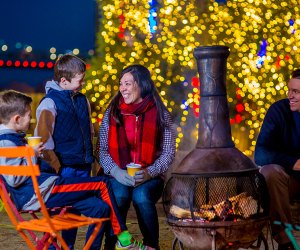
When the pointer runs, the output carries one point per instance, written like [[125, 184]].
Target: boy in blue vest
[[64, 123], [90, 196]]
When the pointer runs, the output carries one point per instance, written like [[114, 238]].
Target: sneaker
[[149, 248], [135, 245]]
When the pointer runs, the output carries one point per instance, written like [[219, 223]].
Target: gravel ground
[[10, 239]]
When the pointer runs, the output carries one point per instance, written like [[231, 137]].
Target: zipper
[[135, 138], [84, 144]]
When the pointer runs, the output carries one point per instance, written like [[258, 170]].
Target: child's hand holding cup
[[37, 144]]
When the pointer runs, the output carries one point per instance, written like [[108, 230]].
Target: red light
[[41, 64], [17, 63], [88, 66], [1, 63], [25, 64], [238, 118], [195, 82], [239, 107], [49, 65], [9, 63], [33, 64]]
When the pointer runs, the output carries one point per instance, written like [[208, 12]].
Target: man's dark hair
[[296, 74], [13, 103]]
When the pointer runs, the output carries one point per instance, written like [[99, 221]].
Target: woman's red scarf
[[118, 146]]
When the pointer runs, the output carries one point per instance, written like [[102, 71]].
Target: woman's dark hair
[[143, 78]]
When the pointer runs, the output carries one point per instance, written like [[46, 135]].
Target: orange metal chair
[[51, 226], [40, 242]]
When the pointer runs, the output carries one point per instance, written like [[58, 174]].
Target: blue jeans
[[144, 198], [90, 196], [65, 171]]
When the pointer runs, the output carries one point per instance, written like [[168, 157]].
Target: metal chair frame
[[49, 225]]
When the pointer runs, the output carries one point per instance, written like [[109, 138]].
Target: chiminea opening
[[216, 197]]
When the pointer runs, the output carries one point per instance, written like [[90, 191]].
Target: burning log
[[234, 208]]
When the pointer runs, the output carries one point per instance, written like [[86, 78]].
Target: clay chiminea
[[215, 150]]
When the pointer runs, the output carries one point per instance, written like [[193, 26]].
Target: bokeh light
[[264, 41]]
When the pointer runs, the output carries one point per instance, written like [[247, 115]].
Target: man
[[278, 153]]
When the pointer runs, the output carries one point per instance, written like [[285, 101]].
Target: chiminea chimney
[[215, 150]]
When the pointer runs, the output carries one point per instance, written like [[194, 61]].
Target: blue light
[[221, 1], [261, 54], [291, 22], [152, 15], [186, 106]]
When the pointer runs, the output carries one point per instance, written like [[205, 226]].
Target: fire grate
[[228, 208], [230, 196]]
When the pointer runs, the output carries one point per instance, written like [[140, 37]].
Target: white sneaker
[[135, 245]]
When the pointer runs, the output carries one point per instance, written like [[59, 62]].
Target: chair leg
[[62, 242], [27, 240], [92, 236]]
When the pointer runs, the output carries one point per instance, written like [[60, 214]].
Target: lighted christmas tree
[[263, 37]]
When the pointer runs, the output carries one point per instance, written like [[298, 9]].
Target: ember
[[232, 209]]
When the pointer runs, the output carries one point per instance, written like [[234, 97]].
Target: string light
[[263, 37]]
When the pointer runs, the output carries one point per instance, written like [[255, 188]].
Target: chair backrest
[[15, 152], [8, 204], [30, 169]]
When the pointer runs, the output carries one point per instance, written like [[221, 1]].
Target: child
[[63, 120], [91, 196], [64, 123]]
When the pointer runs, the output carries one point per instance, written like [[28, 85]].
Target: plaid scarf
[[118, 145]]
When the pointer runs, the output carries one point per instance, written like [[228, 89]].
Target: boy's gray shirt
[[15, 181], [49, 104]]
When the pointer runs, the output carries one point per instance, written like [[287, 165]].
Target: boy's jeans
[[91, 197]]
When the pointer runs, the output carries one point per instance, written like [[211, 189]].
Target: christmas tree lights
[[264, 41]]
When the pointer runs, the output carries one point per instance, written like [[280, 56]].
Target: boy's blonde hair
[[13, 103], [68, 66]]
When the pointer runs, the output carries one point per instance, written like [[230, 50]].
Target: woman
[[137, 127]]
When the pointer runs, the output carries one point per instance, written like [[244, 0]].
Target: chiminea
[[215, 198]]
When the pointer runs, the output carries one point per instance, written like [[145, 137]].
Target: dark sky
[[63, 24]]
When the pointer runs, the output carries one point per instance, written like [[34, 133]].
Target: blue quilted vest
[[23, 193], [72, 132]]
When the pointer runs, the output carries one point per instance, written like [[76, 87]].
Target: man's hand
[[296, 167]]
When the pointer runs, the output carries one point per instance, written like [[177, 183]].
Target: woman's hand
[[141, 176], [38, 149], [122, 176]]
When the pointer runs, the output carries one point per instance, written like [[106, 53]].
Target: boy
[[64, 123], [63, 120], [91, 196]]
